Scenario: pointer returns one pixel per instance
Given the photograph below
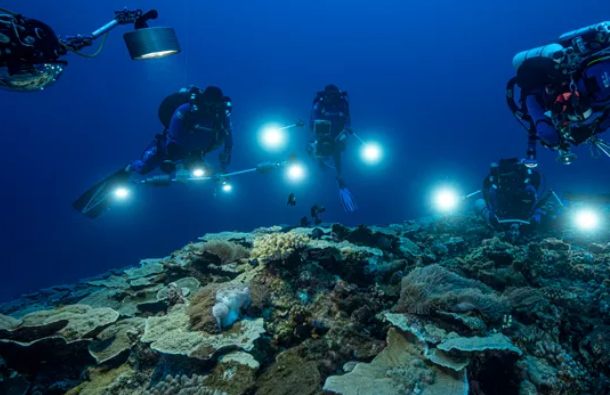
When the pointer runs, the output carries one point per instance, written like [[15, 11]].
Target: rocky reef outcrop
[[434, 306]]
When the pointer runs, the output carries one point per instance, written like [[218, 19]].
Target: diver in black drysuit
[[564, 92]]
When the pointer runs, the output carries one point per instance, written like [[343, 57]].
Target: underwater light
[[296, 172], [151, 43], [198, 173], [446, 199], [273, 137], [586, 219], [121, 193], [371, 153], [227, 188]]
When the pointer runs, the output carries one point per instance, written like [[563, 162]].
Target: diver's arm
[[491, 199], [545, 130], [314, 114], [348, 118], [225, 156]]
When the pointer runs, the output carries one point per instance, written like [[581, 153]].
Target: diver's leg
[[151, 158], [482, 210], [338, 163]]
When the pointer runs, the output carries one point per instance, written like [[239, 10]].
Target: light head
[[587, 220], [295, 172], [121, 193], [272, 138], [145, 42], [371, 153], [446, 199]]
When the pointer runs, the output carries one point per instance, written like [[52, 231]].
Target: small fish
[[292, 200]]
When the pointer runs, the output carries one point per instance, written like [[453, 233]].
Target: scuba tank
[[571, 49], [191, 95], [554, 51]]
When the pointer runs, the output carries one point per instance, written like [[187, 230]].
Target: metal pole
[[471, 195], [105, 29], [557, 198], [602, 146]]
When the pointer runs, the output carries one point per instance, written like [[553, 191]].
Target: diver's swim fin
[[347, 199], [96, 200]]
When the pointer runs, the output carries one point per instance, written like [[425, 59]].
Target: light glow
[[198, 173], [446, 199], [586, 219], [296, 172], [273, 138], [121, 193], [371, 153]]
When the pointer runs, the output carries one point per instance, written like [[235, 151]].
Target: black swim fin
[[99, 198]]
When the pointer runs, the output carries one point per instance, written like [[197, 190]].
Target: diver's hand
[[219, 175]]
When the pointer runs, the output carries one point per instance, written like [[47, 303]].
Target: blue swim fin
[[347, 199]]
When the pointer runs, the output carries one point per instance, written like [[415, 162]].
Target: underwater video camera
[[30, 51]]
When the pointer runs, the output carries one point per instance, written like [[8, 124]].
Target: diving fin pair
[[100, 197]]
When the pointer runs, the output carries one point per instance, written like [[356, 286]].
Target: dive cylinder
[[551, 51]]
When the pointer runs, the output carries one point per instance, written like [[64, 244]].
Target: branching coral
[[434, 288], [278, 246]]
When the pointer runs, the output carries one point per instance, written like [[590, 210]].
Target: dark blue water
[[426, 80]]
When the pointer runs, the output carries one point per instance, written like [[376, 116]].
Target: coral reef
[[430, 306], [278, 246]]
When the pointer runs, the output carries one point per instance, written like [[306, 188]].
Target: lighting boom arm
[[124, 17], [466, 197], [165, 180]]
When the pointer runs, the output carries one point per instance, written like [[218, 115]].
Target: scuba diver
[[564, 94], [196, 122], [329, 122], [511, 196], [31, 52]]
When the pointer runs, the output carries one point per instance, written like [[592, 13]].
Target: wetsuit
[[189, 131], [337, 113]]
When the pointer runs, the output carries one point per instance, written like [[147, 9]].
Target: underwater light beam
[[198, 173], [296, 172], [371, 153], [121, 193], [273, 138], [587, 219], [446, 199]]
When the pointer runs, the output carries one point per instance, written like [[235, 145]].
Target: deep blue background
[[426, 79]]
